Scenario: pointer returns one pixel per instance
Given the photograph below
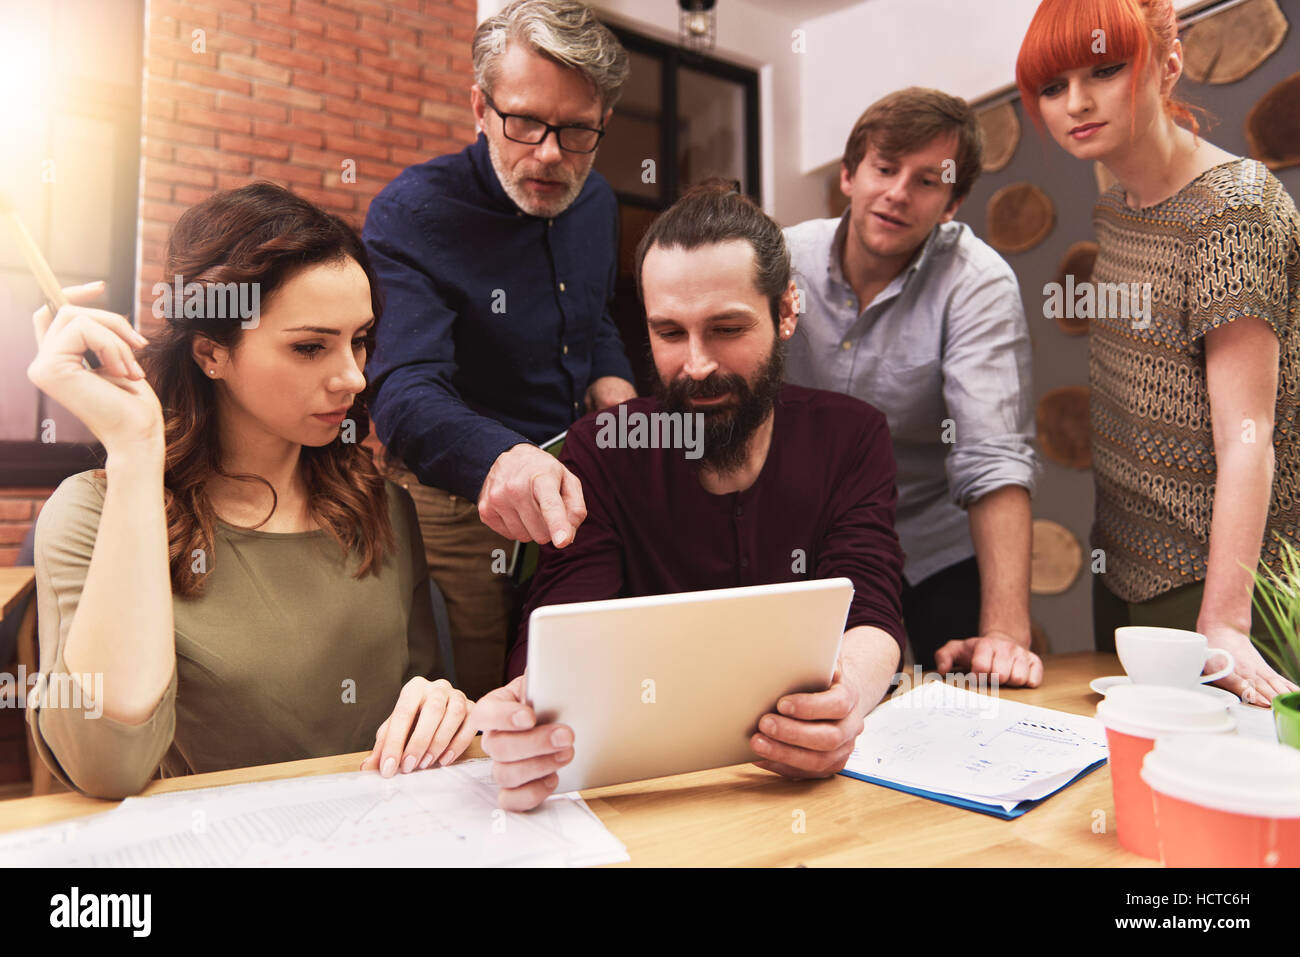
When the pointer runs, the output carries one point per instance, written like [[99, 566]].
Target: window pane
[[70, 160], [633, 131], [711, 135]]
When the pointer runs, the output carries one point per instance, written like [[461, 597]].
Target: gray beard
[[520, 196]]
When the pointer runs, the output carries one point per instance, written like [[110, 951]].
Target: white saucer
[[1102, 685]]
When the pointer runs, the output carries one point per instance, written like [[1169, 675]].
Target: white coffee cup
[[1167, 656]]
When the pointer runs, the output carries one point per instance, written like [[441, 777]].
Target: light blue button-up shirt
[[944, 352]]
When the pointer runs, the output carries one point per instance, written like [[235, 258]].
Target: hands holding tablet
[[525, 755], [812, 735]]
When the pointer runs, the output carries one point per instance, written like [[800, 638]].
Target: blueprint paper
[[443, 817]]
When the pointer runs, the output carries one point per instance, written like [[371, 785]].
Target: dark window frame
[[671, 59]]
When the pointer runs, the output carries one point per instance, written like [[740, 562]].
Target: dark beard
[[728, 430]]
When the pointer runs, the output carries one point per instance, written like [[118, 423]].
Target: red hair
[[1062, 35]]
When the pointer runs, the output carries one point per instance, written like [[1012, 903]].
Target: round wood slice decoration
[[1063, 428], [1076, 268], [1019, 217], [1001, 129], [1227, 46], [1104, 179], [1273, 125], [1056, 558]]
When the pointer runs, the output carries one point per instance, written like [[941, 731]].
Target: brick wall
[[296, 92]]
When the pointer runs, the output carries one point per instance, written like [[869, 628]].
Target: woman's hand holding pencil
[[116, 403]]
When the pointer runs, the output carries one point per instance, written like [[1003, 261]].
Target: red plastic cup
[[1225, 801], [1134, 716]]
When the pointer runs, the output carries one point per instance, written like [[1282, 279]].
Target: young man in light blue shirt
[[910, 311]]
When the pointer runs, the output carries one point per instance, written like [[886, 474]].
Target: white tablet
[[673, 683]]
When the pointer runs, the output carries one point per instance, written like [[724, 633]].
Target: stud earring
[[212, 372]]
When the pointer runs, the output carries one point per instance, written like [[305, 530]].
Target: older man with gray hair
[[498, 264]]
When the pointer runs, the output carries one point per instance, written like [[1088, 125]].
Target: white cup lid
[[1148, 711], [1226, 773]]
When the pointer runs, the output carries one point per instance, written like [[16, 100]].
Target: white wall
[[967, 48]]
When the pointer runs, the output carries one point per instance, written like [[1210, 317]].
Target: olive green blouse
[[283, 656]]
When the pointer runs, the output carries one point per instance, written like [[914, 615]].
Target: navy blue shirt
[[495, 322]]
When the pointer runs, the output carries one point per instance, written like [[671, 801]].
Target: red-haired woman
[[238, 585], [1194, 385]]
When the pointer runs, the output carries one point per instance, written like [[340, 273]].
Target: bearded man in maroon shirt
[[760, 482]]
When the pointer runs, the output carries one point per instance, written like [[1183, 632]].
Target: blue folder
[[994, 810]]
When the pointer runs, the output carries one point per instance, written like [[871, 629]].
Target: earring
[[212, 372]]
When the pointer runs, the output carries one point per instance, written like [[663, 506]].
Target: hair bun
[[717, 186]]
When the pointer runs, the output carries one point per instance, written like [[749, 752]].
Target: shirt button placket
[[564, 346]]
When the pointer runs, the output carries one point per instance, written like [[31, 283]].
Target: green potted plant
[[1277, 603]]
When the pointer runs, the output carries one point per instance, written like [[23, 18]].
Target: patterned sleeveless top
[[1227, 245]]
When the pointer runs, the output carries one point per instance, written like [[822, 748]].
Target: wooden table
[[742, 816], [16, 584]]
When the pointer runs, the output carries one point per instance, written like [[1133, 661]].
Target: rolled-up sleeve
[[84, 748], [987, 387], [418, 413]]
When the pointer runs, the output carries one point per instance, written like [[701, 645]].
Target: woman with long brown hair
[[238, 585], [1194, 385]]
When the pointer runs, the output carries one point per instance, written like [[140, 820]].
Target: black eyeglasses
[[526, 129]]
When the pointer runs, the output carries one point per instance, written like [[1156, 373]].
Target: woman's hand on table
[[1251, 680], [525, 755], [429, 724]]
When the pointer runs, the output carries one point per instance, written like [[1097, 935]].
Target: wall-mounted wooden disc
[[1273, 125], [1055, 560], [1227, 46], [1001, 129], [1063, 427], [1104, 179], [1019, 217], [1077, 262]]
